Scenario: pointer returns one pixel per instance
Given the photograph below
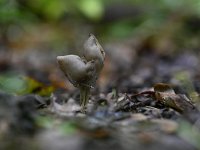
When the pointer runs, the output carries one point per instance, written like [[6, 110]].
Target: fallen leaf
[[68, 109], [166, 95]]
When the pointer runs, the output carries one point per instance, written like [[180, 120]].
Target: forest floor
[[143, 100]]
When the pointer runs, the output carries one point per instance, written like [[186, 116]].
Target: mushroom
[[94, 51], [83, 72]]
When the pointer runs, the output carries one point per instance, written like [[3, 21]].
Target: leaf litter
[[132, 110]]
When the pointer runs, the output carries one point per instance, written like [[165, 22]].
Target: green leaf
[[45, 122], [67, 128], [189, 133], [55, 9], [93, 9], [12, 83]]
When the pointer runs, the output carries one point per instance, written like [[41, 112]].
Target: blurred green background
[[176, 20], [34, 32]]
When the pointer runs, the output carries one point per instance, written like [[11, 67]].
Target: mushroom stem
[[84, 96]]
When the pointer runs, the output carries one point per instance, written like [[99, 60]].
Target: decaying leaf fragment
[[166, 95], [69, 109]]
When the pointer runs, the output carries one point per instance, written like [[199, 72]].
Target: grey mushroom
[[94, 51], [83, 72], [76, 70]]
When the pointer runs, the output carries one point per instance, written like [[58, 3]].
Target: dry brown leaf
[[166, 95]]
